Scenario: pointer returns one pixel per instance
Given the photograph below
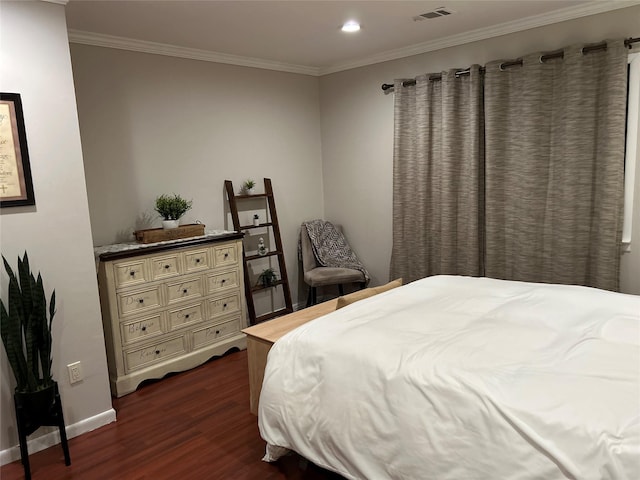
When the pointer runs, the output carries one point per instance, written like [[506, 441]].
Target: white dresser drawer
[[224, 255], [217, 282], [211, 334], [141, 357], [142, 328], [224, 305], [185, 315], [196, 261], [138, 301], [184, 289], [129, 273], [165, 267]]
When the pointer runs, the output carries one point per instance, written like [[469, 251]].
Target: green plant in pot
[[25, 327], [267, 277], [247, 187], [171, 208]]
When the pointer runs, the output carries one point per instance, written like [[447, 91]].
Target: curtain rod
[[518, 62]]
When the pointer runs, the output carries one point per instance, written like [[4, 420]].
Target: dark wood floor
[[192, 425]]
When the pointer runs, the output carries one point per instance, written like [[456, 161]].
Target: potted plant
[[171, 208], [247, 187], [25, 327], [267, 277]]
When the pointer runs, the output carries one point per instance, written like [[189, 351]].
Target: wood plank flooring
[[191, 425]]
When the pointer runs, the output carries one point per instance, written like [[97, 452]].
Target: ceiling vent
[[438, 12]]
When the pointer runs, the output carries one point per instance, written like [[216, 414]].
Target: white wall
[[34, 55], [357, 130], [152, 124]]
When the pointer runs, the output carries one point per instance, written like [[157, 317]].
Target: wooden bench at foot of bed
[[261, 337]]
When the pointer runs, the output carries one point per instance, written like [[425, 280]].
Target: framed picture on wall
[[16, 187]]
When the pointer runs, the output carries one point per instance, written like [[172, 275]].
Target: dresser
[[170, 307]]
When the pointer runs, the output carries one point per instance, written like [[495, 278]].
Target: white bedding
[[462, 378]]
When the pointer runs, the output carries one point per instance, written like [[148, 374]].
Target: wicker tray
[[161, 235]]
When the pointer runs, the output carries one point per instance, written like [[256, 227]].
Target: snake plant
[[26, 328]]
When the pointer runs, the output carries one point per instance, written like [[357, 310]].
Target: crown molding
[[59, 2], [122, 43], [569, 13]]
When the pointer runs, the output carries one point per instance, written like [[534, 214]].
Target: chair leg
[[309, 295], [340, 289]]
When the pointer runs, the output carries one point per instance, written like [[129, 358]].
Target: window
[[632, 147]]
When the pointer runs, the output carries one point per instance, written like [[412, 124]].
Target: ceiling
[[305, 36]]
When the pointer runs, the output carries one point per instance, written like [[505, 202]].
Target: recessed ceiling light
[[351, 26]]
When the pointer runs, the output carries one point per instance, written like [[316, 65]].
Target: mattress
[[462, 378]]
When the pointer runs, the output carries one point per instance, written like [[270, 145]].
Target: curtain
[[438, 176], [554, 167]]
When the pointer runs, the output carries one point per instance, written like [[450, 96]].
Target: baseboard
[[53, 436]]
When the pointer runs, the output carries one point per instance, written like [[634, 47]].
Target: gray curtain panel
[[555, 134], [438, 177]]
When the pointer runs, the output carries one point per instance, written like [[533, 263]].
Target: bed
[[462, 378]]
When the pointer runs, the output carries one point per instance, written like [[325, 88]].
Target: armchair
[[316, 275]]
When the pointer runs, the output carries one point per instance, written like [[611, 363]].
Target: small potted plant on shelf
[[171, 208], [247, 187], [267, 277]]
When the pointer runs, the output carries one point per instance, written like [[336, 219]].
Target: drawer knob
[[144, 328], [223, 280], [167, 267], [224, 305], [217, 332], [185, 290], [133, 274], [141, 300], [197, 260], [186, 316], [226, 255], [157, 352]]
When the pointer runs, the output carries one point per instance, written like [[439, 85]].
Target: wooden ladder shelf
[[273, 226]]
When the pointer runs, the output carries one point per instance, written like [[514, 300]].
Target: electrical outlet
[[75, 372]]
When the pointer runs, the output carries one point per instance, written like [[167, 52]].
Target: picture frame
[[16, 185]]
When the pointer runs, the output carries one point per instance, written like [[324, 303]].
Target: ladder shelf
[[274, 228]]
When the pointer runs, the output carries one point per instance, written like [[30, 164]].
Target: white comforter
[[463, 378]]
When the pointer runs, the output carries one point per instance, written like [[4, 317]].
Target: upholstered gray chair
[[318, 276]]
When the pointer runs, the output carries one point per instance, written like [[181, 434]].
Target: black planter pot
[[36, 406], [35, 410]]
